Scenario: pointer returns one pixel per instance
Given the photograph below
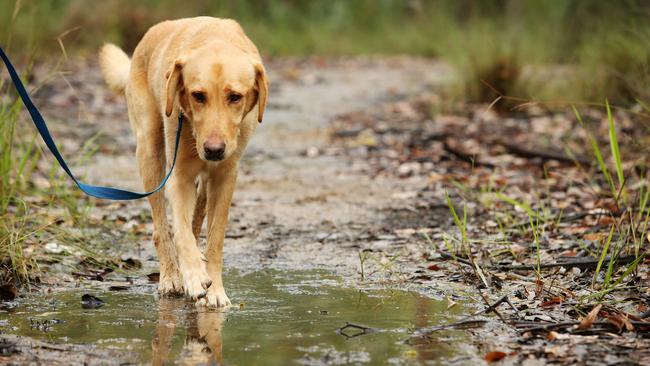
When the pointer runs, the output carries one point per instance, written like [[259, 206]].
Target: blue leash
[[95, 191]]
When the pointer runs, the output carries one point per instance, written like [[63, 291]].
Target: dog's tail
[[115, 65]]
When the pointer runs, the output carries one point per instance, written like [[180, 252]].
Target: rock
[[8, 292], [91, 302]]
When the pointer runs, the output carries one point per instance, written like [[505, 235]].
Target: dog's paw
[[170, 284], [196, 282], [216, 298]]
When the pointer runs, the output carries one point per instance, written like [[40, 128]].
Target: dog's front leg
[[220, 187], [182, 198]]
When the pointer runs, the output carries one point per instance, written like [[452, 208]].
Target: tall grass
[[17, 160]]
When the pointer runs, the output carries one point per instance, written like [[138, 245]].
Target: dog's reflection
[[203, 338]]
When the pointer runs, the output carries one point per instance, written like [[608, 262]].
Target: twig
[[362, 330], [583, 263], [471, 159], [466, 322], [446, 255], [596, 326], [544, 154], [491, 308], [463, 324]]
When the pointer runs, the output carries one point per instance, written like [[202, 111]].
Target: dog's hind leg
[[147, 126]]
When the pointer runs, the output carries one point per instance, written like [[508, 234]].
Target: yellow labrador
[[209, 70]]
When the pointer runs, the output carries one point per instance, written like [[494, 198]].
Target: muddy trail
[[322, 261]]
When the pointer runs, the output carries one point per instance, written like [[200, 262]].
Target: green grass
[[17, 161], [20, 220], [539, 50]]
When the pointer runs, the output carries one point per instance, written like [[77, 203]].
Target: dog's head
[[216, 88]]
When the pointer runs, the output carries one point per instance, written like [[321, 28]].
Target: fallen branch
[[543, 154], [581, 262], [640, 326]]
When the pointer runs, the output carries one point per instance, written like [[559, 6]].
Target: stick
[[534, 327], [586, 262], [491, 308], [471, 159], [544, 154], [446, 255], [363, 330], [463, 324]]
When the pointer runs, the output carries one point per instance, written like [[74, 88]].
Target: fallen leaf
[[593, 236], [551, 302], [588, 320], [620, 321], [494, 356]]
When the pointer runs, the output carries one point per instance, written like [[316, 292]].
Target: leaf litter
[[534, 215]]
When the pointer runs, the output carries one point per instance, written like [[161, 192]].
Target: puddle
[[284, 318]]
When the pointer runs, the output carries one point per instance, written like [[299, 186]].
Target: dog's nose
[[214, 150]]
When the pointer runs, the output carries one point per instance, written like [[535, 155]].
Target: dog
[[210, 71]]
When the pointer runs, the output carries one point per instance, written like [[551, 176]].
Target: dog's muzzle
[[214, 151]]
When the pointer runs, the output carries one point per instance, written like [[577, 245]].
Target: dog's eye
[[234, 98], [199, 97]]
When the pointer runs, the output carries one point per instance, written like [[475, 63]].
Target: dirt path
[[300, 203], [331, 208]]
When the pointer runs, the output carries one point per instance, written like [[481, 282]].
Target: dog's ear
[[174, 80], [262, 85]]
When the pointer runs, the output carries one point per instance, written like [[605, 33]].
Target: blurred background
[[546, 50]]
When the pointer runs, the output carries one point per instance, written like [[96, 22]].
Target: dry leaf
[[588, 320], [551, 302], [621, 321], [593, 236], [494, 356], [552, 335]]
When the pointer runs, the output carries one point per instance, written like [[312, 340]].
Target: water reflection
[[284, 318], [203, 338]]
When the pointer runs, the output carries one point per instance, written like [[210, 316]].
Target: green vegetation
[[17, 160], [26, 210], [541, 50]]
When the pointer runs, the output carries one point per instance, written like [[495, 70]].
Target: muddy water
[[281, 318]]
